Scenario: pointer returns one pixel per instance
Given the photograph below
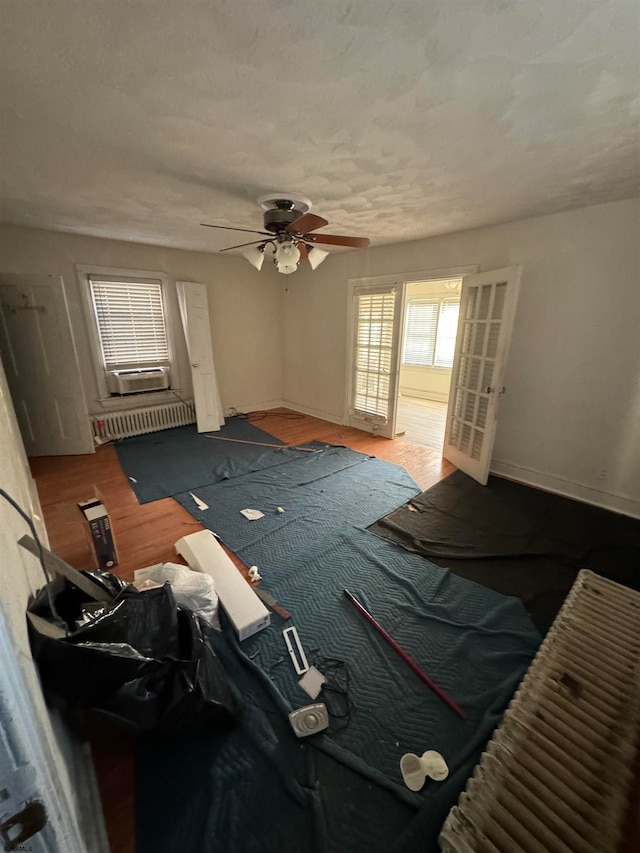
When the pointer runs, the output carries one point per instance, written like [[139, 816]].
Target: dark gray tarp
[[515, 539]]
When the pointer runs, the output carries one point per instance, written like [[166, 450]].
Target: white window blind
[[131, 322], [420, 332], [373, 353], [430, 332]]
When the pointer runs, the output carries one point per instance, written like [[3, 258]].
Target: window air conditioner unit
[[138, 380]]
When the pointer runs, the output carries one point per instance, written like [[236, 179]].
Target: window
[[430, 331], [130, 325]]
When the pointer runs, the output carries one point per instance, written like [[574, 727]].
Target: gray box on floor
[[100, 533]]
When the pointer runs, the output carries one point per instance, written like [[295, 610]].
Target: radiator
[[138, 421], [556, 775]]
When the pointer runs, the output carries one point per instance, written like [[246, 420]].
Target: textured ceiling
[[138, 120]]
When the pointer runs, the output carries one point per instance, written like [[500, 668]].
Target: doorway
[[376, 310], [378, 344], [430, 322]]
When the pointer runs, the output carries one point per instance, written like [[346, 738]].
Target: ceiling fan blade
[[303, 250], [337, 240], [228, 228], [242, 245], [306, 222]]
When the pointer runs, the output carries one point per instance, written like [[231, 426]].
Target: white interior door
[[375, 337], [40, 360], [487, 309], [194, 310]]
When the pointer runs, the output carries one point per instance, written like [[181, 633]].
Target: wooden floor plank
[[146, 534], [421, 422]]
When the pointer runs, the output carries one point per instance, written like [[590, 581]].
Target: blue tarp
[[261, 789], [317, 491], [162, 464], [474, 643]]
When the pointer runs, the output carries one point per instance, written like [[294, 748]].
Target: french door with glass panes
[[487, 309], [376, 316]]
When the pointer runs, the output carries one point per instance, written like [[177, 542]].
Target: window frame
[[100, 371], [439, 301]]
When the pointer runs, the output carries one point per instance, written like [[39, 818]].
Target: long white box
[[204, 553]]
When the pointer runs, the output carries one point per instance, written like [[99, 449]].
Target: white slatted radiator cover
[[555, 777], [123, 424]]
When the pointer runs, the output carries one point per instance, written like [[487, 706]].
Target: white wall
[[428, 383], [243, 304], [27, 726], [570, 420]]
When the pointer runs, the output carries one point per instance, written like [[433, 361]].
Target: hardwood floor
[[146, 534], [421, 422]]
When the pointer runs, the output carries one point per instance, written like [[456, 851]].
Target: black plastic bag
[[140, 660]]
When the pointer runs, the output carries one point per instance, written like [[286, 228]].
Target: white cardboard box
[[204, 553]]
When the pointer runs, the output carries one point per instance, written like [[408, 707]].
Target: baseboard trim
[[435, 396], [314, 413], [262, 406], [567, 488]]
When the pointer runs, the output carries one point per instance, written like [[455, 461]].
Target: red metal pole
[[405, 657]]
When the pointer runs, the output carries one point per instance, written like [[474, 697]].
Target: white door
[[375, 340], [40, 360], [194, 310], [38, 812], [23, 817], [487, 309]]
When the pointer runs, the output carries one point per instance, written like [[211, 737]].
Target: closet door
[[40, 360], [194, 311]]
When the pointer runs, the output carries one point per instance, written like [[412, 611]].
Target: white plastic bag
[[193, 590]]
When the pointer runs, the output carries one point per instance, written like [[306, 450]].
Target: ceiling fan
[[288, 226]]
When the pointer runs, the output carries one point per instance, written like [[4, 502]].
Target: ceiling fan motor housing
[[277, 220], [281, 209]]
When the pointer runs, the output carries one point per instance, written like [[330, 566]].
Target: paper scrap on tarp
[[252, 514], [200, 504], [312, 681]]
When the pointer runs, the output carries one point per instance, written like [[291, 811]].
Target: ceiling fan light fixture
[[316, 256], [255, 256], [286, 269], [287, 254]]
